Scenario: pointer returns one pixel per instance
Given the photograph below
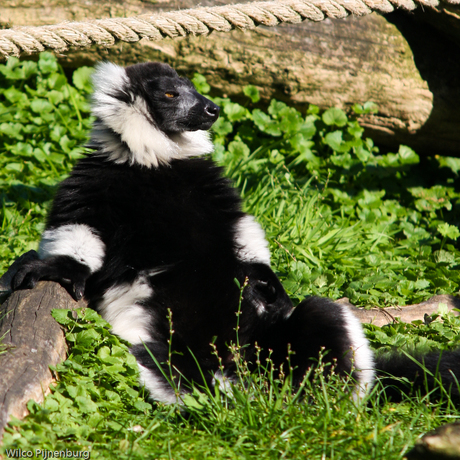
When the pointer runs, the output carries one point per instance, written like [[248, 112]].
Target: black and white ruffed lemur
[[146, 224]]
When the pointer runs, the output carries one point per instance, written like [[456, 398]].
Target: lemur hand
[[71, 274]]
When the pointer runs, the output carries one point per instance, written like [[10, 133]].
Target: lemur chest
[[172, 216]]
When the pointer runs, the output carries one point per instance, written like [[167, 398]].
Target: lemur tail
[[437, 373]]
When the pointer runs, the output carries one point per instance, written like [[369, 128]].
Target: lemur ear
[[108, 79]]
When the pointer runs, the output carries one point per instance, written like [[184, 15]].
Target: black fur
[[436, 373], [179, 218], [64, 269]]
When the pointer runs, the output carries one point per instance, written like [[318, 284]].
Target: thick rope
[[197, 21]]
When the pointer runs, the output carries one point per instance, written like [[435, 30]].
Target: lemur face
[[148, 115], [172, 101]]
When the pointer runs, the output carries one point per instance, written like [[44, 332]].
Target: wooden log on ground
[[443, 443], [408, 313], [409, 64], [31, 341]]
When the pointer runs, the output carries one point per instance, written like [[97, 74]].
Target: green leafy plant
[[435, 332], [44, 122]]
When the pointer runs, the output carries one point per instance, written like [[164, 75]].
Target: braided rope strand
[[197, 21]]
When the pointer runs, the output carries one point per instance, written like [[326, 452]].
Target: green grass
[[342, 219], [96, 405]]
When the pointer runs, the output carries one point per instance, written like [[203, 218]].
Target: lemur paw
[[68, 272], [78, 289], [28, 275]]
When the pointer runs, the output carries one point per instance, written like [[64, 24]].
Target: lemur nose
[[212, 110]]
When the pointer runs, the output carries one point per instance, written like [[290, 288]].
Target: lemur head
[[173, 102], [147, 114]]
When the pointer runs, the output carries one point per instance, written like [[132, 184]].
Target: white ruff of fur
[[142, 142], [250, 242], [74, 240], [363, 358]]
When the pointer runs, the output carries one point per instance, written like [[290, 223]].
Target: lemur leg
[[68, 254], [169, 373]]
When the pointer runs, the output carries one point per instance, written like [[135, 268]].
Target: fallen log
[[382, 316], [443, 443], [31, 342]]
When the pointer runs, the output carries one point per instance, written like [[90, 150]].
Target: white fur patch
[[156, 386], [120, 307], [225, 382], [108, 78], [142, 142], [363, 358], [75, 240], [193, 143], [250, 242], [260, 307]]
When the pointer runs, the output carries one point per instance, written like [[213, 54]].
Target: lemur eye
[[171, 94]]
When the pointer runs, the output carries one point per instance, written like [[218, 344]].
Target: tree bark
[[443, 443], [409, 64], [31, 341], [382, 316]]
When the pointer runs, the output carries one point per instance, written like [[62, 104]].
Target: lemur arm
[[68, 254]]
